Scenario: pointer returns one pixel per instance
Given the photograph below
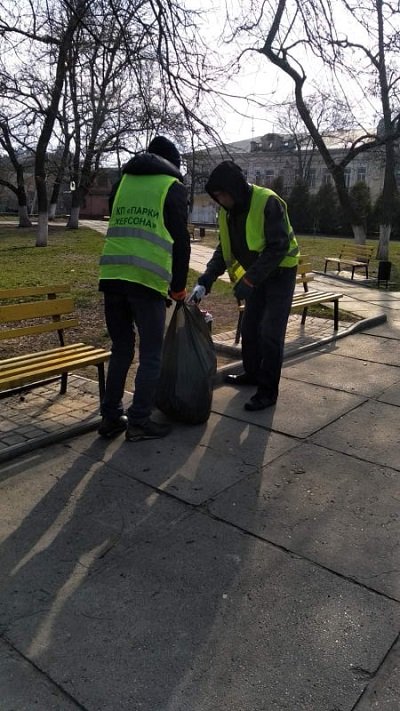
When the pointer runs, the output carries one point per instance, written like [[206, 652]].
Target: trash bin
[[202, 232], [384, 269]]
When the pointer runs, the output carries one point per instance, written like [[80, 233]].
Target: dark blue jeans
[[124, 312], [264, 327]]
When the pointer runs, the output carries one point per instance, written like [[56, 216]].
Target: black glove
[[243, 289]]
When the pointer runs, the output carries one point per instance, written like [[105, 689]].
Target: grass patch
[[318, 248], [71, 256]]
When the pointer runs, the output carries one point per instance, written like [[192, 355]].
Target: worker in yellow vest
[[145, 261], [258, 248]]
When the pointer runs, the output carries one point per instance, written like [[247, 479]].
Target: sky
[[241, 120]]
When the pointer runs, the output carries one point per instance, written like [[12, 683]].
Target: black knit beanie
[[166, 149]]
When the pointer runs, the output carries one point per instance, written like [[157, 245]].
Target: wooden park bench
[[35, 310], [355, 256], [304, 298]]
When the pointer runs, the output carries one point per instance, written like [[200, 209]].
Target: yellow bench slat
[[37, 316], [309, 297], [35, 309], [42, 355], [40, 371], [35, 329], [34, 291]]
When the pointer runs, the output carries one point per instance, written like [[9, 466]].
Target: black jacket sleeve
[[276, 243], [175, 218], [215, 267]]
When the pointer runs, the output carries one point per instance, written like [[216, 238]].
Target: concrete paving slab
[[342, 373], [24, 688], [209, 618], [62, 514], [389, 329], [325, 506], [370, 432], [383, 693], [192, 463], [391, 395], [302, 408], [372, 348], [387, 302]]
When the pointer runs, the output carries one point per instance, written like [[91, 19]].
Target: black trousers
[[124, 315], [264, 328]]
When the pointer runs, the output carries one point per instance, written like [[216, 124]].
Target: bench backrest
[[30, 310], [304, 272], [357, 252]]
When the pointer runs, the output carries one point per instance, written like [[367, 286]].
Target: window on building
[[269, 178], [327, 180], [258, 177], [347, 177], [311, 178], [361, 174]]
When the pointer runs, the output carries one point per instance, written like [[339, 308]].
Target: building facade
[[268, 158]]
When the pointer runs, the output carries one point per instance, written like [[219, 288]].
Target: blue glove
[[243, 289], [197, 294]]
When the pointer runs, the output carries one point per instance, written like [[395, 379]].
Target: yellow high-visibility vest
[[255, 233], [138, 246]]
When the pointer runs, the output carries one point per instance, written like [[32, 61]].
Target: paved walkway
[[248, 564], [40, 416]]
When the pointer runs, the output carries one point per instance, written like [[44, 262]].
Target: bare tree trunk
[[73, 221], [52, 210], [359, 233], [23, 216], [54, 199], [384, 240], [43, 221], [59, 177]]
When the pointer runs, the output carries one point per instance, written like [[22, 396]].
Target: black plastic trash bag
[[188, 366]]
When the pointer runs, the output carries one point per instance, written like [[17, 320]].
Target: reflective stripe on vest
[[138, 246], [108, 259], [255, 234]]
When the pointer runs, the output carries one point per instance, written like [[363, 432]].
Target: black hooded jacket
[[175, 218], [228, 177]]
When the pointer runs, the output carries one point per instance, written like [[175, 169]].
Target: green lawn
[[72, 256], [317, 248]]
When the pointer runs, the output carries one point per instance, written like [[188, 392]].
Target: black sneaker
[[147, 430], [240, 379], [259, 402], [110, 428]]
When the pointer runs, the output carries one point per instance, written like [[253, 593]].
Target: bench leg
[[336, 315], [326, 264], [102, 381], [352, 272], [64, 380], [304, 316]]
